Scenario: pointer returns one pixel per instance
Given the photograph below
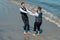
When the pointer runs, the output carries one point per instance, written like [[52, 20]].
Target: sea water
[[51, 5], [51, 9]]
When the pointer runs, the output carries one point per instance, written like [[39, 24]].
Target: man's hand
[[33, 11]]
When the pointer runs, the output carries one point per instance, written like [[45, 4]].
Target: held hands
[[33, 10]]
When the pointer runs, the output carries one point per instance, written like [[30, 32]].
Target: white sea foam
[[46, 14], [52, 18]]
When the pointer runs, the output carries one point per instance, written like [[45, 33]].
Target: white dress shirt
[[29, 12]]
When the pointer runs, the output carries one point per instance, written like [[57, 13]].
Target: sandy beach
[[11, 24]]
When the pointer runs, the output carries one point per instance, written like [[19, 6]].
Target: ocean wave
[[51, 17], [56, 6], [46, 14]]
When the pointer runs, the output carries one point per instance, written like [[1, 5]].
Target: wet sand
[[11, 24]]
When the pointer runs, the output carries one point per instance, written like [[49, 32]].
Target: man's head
[[23, 4]]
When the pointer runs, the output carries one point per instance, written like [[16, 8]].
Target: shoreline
[[46, 15]]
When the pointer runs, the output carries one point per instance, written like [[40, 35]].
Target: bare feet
[[25, 33], [29, 33], [34, 35], [38, 36], [24, 37]]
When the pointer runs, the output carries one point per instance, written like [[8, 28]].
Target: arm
[[33, 14], [36, 14], [22, 10], [29, 12]]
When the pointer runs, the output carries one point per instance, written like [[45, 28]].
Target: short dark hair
[[22, 3], [39, 7]]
